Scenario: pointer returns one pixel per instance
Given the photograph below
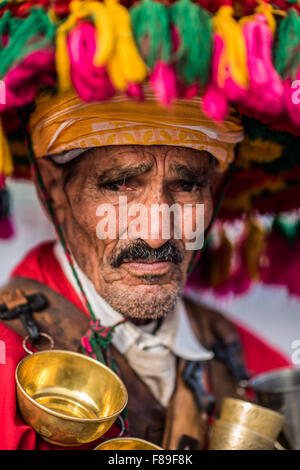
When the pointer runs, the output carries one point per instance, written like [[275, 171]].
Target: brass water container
[[257, 418], [127, 443], [245, 426], [69, 399], [232, 436]]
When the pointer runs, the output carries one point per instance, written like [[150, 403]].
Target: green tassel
[[151, 26], [25, 36], [287, 46], [287, 227], [195, 29]]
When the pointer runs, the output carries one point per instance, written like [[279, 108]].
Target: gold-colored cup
[[257, 418], [127, 443], [231, 436], [68, 398]]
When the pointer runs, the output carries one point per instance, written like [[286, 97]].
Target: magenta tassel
[[6, 228], [163, 82]]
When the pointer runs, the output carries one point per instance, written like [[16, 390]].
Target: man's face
[[140, 276]]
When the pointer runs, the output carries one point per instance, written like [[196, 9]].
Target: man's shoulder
[[213, 326], [209, 324], [59, 317], [33, 262]]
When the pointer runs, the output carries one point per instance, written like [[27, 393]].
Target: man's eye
[[188, 186], [114, 186]]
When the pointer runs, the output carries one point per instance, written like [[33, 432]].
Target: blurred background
[[270, 312]]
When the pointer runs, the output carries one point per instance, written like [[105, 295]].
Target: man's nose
[[160, 220]]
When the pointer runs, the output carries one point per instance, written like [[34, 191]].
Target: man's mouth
[[158, 267]]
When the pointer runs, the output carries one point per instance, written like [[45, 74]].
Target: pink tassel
[[265, 93], [293, 277], [238, 282], [163, 82], [23, 81], [187, 92], [2, 181], [292, 99], [6, 228], [91, 83], [135, 91], [233, 92], [214, 103]]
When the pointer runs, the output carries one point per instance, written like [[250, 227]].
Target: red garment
[[40, 264]]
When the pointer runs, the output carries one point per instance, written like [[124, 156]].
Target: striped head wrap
[[65, 126]]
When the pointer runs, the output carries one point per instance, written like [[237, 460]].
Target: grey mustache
[[141, 251]]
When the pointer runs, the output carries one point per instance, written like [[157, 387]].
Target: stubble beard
[[149, 305]]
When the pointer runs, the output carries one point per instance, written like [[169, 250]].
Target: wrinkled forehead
[[134, 160]]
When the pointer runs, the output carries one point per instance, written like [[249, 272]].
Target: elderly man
[[178, 359]]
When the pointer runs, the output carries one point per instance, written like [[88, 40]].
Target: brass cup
[[127, 443], [231, 436], [68, 398], [257, 418]]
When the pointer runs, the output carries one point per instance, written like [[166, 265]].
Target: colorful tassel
[[163, 83], [254, 247], [91, 82], [292, 98], [6, 225], [6, 165], [24, 37], [151, 28], [135, 91], [232, 64], [193, 56], [265, 94], [214, 103], [125, 64], [104, 38], [221, 261], [258, 151], [287, 49], [23, 81]]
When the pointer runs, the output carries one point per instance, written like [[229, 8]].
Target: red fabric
[[40, 264]]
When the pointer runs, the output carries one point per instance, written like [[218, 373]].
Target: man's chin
[[144, 301]]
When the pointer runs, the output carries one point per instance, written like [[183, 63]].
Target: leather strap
[[182, 422], [66, 324]]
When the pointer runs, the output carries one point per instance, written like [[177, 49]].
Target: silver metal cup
[[280, 391]]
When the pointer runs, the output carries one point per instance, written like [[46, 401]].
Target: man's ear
[[52, 176]]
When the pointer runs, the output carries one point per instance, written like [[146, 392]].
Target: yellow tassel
[[254, 247], [267, 10], [62, 60], [258, 150], [243, 202], [221, 261], [104, 38], [234, 55], [125, 64], [6, 165]]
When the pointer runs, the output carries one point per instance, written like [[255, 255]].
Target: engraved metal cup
[[127, 443], [280, 391], [257, 418], [232, 436], [68, 398]]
